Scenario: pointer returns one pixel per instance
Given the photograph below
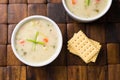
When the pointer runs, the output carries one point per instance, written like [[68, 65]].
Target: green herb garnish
[[35, 41], [87, 2]]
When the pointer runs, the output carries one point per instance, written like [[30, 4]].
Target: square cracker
[[83, 46], [97, 44]]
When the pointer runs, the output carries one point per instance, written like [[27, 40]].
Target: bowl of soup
[[36, 40], [86, 10]]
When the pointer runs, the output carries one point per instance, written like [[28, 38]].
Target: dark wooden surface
[[67, 66]]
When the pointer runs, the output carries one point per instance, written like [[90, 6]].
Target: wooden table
[[67, 66]]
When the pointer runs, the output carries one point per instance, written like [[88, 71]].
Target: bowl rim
[[53, 57], [87, 19]]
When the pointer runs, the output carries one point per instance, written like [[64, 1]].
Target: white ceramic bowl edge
[[59, 42], [80, 19]]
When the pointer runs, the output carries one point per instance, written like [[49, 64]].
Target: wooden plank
[[113, 13], [17, 1], [36, 73], [37, 9], [69, 19], [3, 55], [97, 73], [74, 28], [77, 73], [10, 30], [112, 32], [16, 73], [57, 73], [71, 29], [114, 72], [58, 11], [96, 32], [3, 13], [3, 34], [37, 1], [113, 55], [16, 12], [11, 58], [54, 1], [3, 1], [3, 73], [47, 73]]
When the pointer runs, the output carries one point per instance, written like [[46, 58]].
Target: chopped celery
[[36, 42], [87, 2]]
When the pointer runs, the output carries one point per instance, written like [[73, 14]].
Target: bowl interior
[[87, 19], [53, 57]]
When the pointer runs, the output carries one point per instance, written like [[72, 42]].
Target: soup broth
[[36, 41], [86, 8]]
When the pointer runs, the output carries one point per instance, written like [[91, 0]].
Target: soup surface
[[36, 40], [86, 8]]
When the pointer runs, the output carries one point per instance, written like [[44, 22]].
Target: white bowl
[[81, 19], [53, 57]]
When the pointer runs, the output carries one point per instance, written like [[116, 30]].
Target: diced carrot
[[74, 2], [21, 41], [45, 40], [97, 1]]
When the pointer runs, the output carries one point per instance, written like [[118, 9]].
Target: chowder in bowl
[[36, 40], [86, 10]]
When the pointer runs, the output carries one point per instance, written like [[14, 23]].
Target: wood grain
[[16, 73], [66, 66], [74, 28], [47, 73], [57, 73], [69, 19], [113, 53], [16, 12], [114, 72], [3, 13], [96, 32], [36, 1], [3, 73], [113, 13], [10, 30], [112, 32], [37, 9], [17, 1], [77, 73], [3, 34], [97, 73], [3, 55], [36, 73], [11, 58], [3, 1], [55, 1], [58, 11]]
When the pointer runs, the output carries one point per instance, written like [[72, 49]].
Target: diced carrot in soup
[[74, 2], [45, 40], [86, 8], [35, 37]]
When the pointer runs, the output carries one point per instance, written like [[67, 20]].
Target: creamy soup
[[86, 8], [36, 40]]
